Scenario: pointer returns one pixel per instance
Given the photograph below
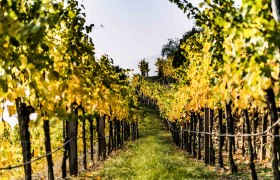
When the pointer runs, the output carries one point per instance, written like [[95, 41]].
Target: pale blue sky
[[134, 29]]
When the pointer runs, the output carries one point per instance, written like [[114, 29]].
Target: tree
[[173, 48], [144, 67], [160, 62], [275, 6], [170, 48]]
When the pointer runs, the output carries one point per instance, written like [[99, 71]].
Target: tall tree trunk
[[231, 139], [48, 149], [250, 147], [222, 129], [270, 99], [23, 117]]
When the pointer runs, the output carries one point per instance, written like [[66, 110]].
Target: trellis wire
[[47, 154], [264, 133]]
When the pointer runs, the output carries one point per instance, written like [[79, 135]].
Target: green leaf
[[4, 85]]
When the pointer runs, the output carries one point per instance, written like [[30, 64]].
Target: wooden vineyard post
[[91, 137], [118, 133], [122, 133], [255, 127], [172, 131], [84, 140], [23, 118], [194, 135], [222, 129], [65, 148], [250, 146], [126, 130], [243, 140], [73, 151], [190, 135], [270, 99], [110, 144], [133, 132], [231, 139], [212, 150], [199, 136], [263, 138], [206, 135], [137, 130], [187, 136], [101, 138], [48, 148], [115, 134], [183, 125], [177, 134]]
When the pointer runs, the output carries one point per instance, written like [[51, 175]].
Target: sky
[[134, 29]]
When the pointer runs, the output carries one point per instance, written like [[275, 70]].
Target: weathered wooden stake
[[206, 136]]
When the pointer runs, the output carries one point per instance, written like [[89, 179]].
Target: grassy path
[[153, 156]]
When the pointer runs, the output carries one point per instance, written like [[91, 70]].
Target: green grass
[[153, 156]]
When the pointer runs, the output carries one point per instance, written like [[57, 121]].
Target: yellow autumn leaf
[[31, 124], [2, 127], [5, 143], [9, 156], [20, 91], [266, 83], [36, 152], [89, 174], [12, 96], [23, 60]]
